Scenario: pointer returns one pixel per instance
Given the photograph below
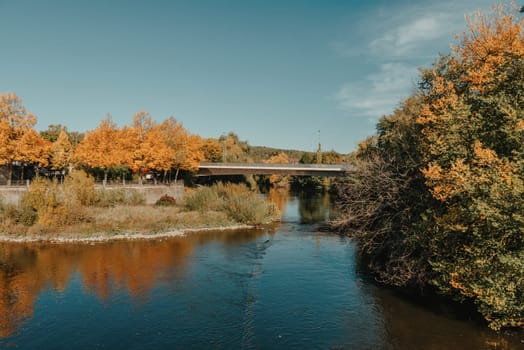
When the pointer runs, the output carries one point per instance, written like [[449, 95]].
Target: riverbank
[[76, 211], [119, 236]]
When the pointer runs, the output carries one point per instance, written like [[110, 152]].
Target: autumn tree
[[438, 197], [144, 146], [186, 149], [32, 149], [102, 147], [233, 149], [61, 152], [18, 140], [211, 150], [473, 146], [276, 180]]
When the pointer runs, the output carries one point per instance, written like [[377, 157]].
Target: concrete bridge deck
[[328, 170]]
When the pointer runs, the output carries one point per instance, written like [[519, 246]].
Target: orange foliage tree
[[102, 147], [186, 149], [144, 145], [473, 145], [211, 150], [61, 152], [278, 180], [438, 197], [18, 140]]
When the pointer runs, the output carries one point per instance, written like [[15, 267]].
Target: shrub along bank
[[76, 207]]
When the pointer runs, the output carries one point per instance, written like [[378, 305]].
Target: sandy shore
[[108, 237]]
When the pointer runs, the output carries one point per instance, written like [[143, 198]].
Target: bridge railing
[[271, 165]]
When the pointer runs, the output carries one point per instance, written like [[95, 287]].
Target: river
[[289, 286]]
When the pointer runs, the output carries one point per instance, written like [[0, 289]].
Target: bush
[[80, 188], [19, 214], [57, 205], [203, 199], [236, 200], [166, 201]]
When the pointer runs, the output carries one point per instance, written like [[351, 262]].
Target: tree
[[53, 132], [438, 197], [102, 147], [61, 152], [233, 149], [135, 138], [473, 146], [276, 180], [31, 148], [212, 151], [383, 202], [186, 149], [17, 134]]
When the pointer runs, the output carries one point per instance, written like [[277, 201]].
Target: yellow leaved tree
[[186, 149], [102, 147], [61, 152], [18, 140], [278, 180], [144, 146], [211, 150]]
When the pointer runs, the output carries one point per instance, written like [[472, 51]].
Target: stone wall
[[151, 193], [11, 194]]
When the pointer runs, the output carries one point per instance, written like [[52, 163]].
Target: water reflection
[[26, 270], [280, 197], [313, 207], [434, 324]]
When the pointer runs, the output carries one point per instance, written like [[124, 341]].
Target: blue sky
[[274, 72]]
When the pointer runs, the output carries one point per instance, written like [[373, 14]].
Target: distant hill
[[258, 154]]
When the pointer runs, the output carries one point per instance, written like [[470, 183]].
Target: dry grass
[[119, 219], [78, 210]]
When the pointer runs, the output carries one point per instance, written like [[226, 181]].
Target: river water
[[285, 287]]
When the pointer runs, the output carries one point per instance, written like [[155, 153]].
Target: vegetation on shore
[[437, 201], [76, 207]]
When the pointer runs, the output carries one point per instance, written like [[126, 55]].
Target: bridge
[[327, 170]]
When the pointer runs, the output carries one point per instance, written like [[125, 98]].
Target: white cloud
[[406, 39], [397, 39], [379, 93]]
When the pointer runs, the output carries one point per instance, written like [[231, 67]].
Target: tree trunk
[[140, 177], [9, 173], [23, 167], [104, 183], [176, 175]]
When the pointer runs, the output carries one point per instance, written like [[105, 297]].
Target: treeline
[[140, 147], [437, 201], [145, 146]]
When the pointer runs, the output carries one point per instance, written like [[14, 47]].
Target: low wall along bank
[[151, 193]]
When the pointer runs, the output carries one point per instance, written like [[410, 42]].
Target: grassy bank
[[76, 209]]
